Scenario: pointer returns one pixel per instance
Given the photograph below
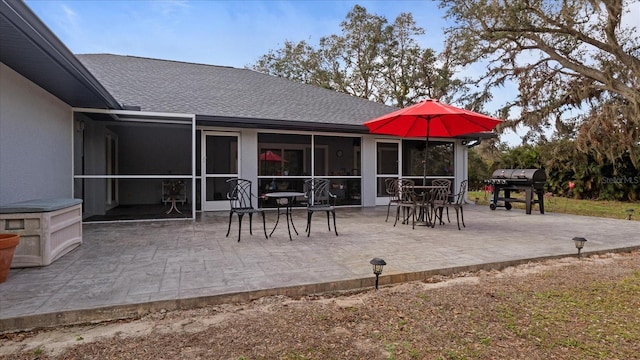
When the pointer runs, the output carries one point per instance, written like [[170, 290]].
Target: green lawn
[[608, 209]]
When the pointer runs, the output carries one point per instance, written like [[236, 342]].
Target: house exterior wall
[[249, 156], [368, 170], [35, 141], [369, 190], [141, 154], [461, 164]]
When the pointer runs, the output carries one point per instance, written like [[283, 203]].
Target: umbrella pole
[[426, 154]]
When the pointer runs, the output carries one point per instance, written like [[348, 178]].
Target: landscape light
[[579, 241], [378, 264]]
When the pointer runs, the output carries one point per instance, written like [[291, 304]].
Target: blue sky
[[229, 33]]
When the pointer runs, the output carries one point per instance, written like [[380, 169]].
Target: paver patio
[[127, 269]]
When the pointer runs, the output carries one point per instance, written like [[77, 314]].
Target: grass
[[583, 318], [598, 208]]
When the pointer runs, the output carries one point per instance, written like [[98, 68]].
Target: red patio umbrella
[[431, 118], [270, 156]]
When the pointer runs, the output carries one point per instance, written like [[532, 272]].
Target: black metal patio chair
[[409, 202], [454, 201], [443, 197], [391, 188], [319, 198], [240, 197]]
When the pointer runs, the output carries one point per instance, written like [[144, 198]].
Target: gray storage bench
[[48, 229]]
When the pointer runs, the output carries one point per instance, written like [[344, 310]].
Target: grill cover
[[521, 176], [532, 181]]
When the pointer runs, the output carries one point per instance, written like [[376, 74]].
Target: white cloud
[[170, 7], [71, 16]]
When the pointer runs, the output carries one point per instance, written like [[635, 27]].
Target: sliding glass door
[[388, 165], [219, 163]]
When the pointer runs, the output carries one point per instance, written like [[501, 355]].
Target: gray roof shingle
[[226, 92]]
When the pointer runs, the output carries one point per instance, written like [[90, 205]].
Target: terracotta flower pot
[[8, 243]]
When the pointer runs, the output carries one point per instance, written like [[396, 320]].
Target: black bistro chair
[[390, 189], [240, 198], [440, 196], [408, 202], [454, 201], [319, 198]]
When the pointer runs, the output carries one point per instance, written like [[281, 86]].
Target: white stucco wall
[[461, 165], [35, 141], [368, 171], [248, 156]]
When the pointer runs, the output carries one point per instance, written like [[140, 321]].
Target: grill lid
[[502, 173], [521, 175]]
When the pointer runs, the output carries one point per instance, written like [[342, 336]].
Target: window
[[285, 161], [439, 163]]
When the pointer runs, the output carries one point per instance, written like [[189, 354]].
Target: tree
[[353, 58], [575, 62], [371, 59], [521, 157], [478, 170], [298, 62]]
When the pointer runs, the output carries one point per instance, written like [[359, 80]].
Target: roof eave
[[23, 30], [253, 123]]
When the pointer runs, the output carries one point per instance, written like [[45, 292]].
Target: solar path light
[[579, 241], [378, 264]]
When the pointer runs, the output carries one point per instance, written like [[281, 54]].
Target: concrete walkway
[[127, 269]]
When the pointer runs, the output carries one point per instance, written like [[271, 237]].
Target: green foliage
[[575, 65], [521, 157], [371, 59], [478, 170], [564, 163], [391, 349]]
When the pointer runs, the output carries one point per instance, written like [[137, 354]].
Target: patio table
[[426, 216], [290, 197]]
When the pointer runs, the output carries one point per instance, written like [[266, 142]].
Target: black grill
[[507, 180]]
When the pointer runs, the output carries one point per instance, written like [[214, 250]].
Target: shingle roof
[[226, 92]]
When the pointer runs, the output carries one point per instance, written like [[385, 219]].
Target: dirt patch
[[485, 314]]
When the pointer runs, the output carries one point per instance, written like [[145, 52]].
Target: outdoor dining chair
[[454, 201], [409, 202], [441, 183], [319, 198], [391, 188], [241, 199]]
